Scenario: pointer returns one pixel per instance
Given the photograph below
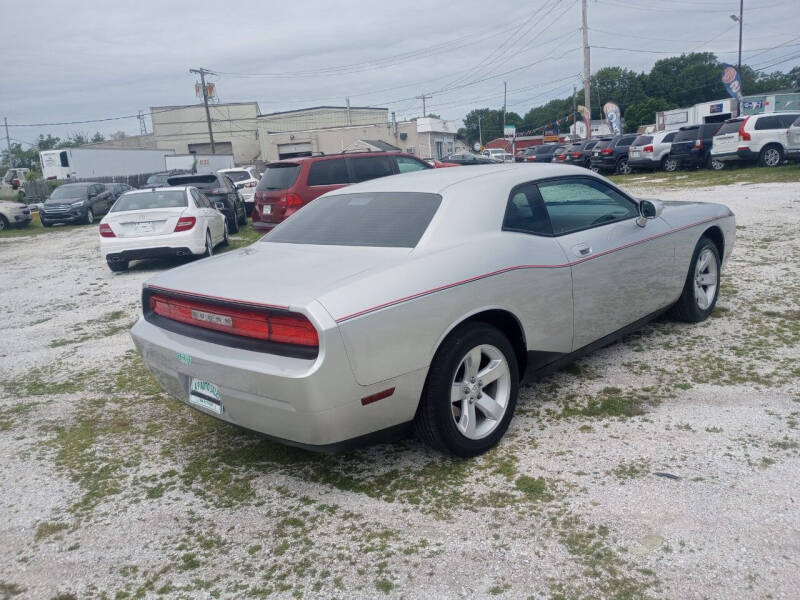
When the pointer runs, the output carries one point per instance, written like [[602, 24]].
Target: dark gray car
[[76, 203], [222, 193]]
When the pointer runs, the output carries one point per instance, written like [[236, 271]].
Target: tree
[[47, 143], [643, 113], [98, 137]]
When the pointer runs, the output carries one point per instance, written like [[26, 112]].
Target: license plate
[[144, 227], [597, 153], [635, 153], [267, 209], [205, 395]]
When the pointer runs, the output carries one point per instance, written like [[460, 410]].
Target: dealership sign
[[611, 111], [732, 81]]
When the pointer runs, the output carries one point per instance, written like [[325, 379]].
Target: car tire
[[698, 299], [714, 164], [209, 251], [233, 224], [45, 222], [243, 216], [88, 218], [4, 224], [454, 390], [118, 265], [669, 164], [622, 167], [225, 236], [770, 156]]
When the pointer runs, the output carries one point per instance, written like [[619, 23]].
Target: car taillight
[[291, 200], [185, 223], [647, 149], [698, 143], [606, 151], [743, 135], [576, 154], [263, 324], [105, 230]]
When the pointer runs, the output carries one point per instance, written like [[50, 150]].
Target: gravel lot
[[113, 490]]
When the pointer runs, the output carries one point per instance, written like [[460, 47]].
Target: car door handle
[[582, 249]]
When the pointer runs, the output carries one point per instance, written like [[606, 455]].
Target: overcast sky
[[77, 61]]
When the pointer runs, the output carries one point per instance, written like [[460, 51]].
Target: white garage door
[[296, 149]]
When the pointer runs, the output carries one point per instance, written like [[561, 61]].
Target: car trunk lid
[[141, 223]]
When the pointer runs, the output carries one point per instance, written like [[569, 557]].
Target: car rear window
[[387, 219], [731, 126], [642, 140], [683, 135], [328, 172], [238, 175], [150, 200], [626, 141], [278, 176], [203, 182]]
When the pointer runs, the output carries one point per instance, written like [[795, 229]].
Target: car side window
[[406, 164], [580, 203], [767, 123], [328, 172], [668, 138], [786, 121], [525, 212], [198, 202], [371, 167]]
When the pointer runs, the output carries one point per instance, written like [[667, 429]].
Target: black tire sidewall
[[691, 309], [443, 369], [4, 224]]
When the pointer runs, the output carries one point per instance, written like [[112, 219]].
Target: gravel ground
[[113, 490]]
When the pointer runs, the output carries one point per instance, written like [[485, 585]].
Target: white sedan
[[246, 180], [168, 221]]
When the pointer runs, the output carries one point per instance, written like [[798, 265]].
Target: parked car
[[117, 189], [611, 155], [288, 185], [14, 179], [414, 301], [560, 155], [692, 145], [756, 138], [160, 179], [246, 180], [793, 140], [219, 189], [651, 151], [76, 203], [467, 158], [495, 153], [579, 153], [167, 221], [14, 214], [541, 154]]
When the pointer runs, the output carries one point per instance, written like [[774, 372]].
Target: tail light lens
[[576, 154], [264, 324], [743, 135], [185, 223], [106, 231], [698, 144], [606, 151], [647, 149], [291, 200]]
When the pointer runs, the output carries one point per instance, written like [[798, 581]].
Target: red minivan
[[289, 184]]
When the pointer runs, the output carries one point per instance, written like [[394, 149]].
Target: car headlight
[[77, 204]]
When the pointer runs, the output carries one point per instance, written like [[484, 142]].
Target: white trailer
[[199, 163], [85, 163]]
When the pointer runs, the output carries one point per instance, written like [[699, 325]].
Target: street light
[[738, 19]]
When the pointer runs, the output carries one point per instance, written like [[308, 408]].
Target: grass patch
[[534, 489], [610, 402], [9, 590], [707, 177], [47, 529], [36, 228], [245, 236]]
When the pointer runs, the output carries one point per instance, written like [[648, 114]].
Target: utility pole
[[586, 70], [349, 120], [739, 64], [8, 144], [202, 72], [574, 106], [142, 124], [505, 89], [480, 135], [423, 97]]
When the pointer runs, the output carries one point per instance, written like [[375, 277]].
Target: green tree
[[643, 113]]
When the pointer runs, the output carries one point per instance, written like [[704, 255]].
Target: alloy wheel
[[624, 169], [772, 157], [480, 392], [89, 216], [670, 165], [706, 275]]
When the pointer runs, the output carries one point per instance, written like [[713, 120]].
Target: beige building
[[184, 129]]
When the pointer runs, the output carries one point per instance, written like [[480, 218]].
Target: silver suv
[[757, 138], [14, 214], [651, 151]]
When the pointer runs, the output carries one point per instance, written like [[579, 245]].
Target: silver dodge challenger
[[420, 300]]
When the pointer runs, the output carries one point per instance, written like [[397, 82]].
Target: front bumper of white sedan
[[314, 403], [182, 243]]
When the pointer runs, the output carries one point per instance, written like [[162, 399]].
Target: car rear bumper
[[644, 163], [314, 403], [604, 163], [183, 243], [743, 154]]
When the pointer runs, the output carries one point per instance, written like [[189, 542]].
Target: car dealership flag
[[732, 81], [611, 111], [587, 118]]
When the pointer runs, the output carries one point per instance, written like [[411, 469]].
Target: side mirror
[[649, 209]]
